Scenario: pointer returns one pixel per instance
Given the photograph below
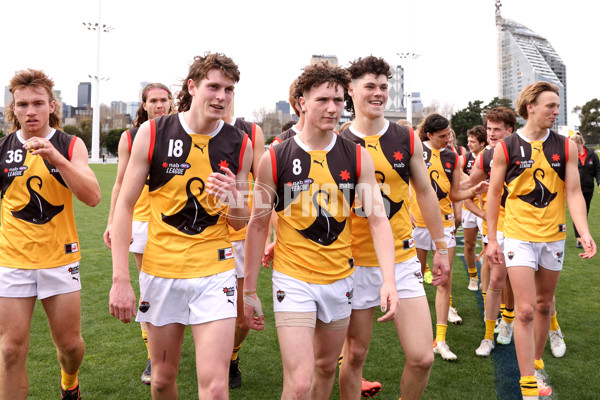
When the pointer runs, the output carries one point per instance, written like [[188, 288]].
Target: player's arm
[[427, 200], [576, 204], [231, 188], [256, 235], [76, 173], [456, 193], [474, 208], [477, 175], [370, 196], [494, 195], [122, 299], [122, 165]]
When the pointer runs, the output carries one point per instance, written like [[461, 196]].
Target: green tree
[[498, 102], [111, 142], [589, 115], [85, 132], [71, 130], [2, 133], [463, 120]]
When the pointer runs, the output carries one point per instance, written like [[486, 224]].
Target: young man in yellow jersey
[[397, 155], [315, 176], [42, 168], [157, 101], [197, 170], [539, 169]]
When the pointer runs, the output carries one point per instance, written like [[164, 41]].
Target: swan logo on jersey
[[144, 306], [280, 295], [511, 255], [176, 168]]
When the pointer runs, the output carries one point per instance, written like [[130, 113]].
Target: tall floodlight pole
[[99, 27], [407, 78]]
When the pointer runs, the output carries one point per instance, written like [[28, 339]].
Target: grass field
[[115, 354]]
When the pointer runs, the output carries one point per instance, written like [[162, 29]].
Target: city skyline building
[[84, 94], [525, 57], [317, 58]]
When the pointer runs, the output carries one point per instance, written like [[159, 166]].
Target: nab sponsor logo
[[301, 185], [525, 164], [15, 171], [349, 295], [176, 168], [229, 291]]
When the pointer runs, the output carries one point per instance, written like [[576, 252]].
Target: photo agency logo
[[260, 204]]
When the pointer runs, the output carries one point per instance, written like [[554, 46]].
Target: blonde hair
[[529, 95], [577, 138]]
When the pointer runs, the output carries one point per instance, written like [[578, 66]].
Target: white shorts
[[187, 301], [424, 241], [469, 220], [238, 256], [332, 302], [484, 238], [550, 256], [139, 237], [500, 240], [368, 281], [40, 283]]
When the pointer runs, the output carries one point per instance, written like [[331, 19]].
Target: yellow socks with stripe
[[450, 301], [502, 308], [489, 329], [508, 315], [440, 332], [554, 323], [236, 350], [68, 381], [340, 360], [145, 339], [538, 364], [529, 386], [483, 293], [472, 272]]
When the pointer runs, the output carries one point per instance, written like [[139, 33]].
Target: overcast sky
[[271, 40]]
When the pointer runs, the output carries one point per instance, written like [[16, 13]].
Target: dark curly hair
[[479, 133], [431, 124], [317, 74], [198, 71], [361, 66], [501, 114]]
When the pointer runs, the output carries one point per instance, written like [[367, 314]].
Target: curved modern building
[[525, 57]]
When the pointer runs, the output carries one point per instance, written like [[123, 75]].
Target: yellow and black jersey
[[535, 179], [248, 128], [440, 165], [469, 162], [315, 189], [141, 211], [187, 234], [38, 228], [391, 151], [486, 162], [286, 135]]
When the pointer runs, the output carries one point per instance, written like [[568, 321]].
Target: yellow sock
[[508, 315], [440, 332], [145, 339], [68, 381], [236, 350], [554, 323], [490, 324], [472, 272], [529, 386], [502, 308], [340, 359], [450, 300], [483, 295], [538, 364]]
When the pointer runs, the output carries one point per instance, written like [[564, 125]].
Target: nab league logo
[[176, 168]]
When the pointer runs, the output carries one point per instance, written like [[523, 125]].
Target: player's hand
[[122, 301], [481, 187], [389, 302], [253, 311], [106, 237], [268, 255], [223, 187], [589, 246], [493, 252], [441, 269], [43, 148]]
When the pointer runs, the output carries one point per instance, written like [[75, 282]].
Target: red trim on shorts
[[412, 140], [358, 161], [273, 164], [71, 147], [152, 139], [567, 149], [505, 150], [242, 152], [128, 139]]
